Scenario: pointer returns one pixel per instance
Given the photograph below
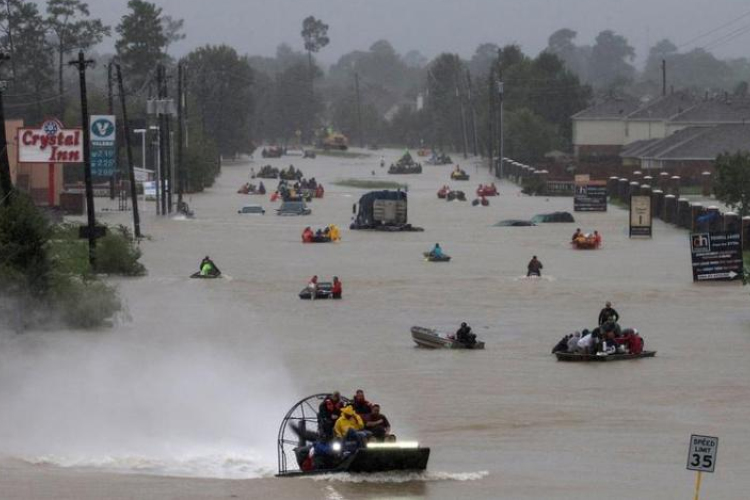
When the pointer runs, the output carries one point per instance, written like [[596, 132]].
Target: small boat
[[459, 175], [431, 339], [568, 356], [431, 258]]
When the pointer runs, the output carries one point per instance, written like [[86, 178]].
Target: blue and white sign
[[103, 133]]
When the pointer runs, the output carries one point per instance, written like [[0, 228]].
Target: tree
[[561, 43], [221, 82], [484, 57], [528, 136], [444, 89], [732, 182], [415, 59], [315, 35], [142, 40], [610, 66], [68, 22], [172, 30], [24, 39]]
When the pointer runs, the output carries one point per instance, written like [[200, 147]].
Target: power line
[[714, 30]]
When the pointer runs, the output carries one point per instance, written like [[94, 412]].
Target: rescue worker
[[577, 234], [436, 251], [307, 235], [208, 268], [377, 423], [465, 336], [336, 288], [349, 427], [534, 267], [608, 314], [313, 287]]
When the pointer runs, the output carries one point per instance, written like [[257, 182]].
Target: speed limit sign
[[702, 453]]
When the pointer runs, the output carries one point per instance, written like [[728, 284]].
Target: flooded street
[[183, 398]]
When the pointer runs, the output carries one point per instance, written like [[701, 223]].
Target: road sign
[[590, 197], [640, 216], [103, 150], [716, 256], [702, 453]]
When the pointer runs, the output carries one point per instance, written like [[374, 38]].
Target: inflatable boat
[[324, 291], [431, 339]]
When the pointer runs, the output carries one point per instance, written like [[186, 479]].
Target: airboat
[[299, 431]]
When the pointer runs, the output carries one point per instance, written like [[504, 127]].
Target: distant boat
[[431, 339]]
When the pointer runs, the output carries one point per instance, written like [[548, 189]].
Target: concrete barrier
[[670, 209]]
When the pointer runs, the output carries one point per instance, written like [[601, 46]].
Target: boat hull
[[566, 356], [375, 460]]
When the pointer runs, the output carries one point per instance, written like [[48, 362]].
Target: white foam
[[402, 477], [222, 466]]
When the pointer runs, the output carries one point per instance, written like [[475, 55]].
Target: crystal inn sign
[[50, 144]]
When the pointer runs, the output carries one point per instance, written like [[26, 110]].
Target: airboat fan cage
[[304, 416]]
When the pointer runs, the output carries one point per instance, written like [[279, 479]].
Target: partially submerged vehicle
[[293, 208], [299, 432], [568, 356], [432, 339], [272, 152], [252, 209], [514, 223], [430, 257], [324, 290], [553, 217], [382, 211]]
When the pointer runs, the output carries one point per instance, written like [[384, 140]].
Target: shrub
[[117, 253], [83, 303]]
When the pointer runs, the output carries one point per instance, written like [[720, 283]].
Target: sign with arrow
[[640, 216], [716, 256]]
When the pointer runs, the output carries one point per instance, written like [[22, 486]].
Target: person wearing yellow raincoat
[[334, 233], [348, 421]]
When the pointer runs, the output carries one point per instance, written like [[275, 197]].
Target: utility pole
[[162, 151], [500, 92], [663, 77], [180, 126], [111, 111], [81, 64], [473, 114], [6, 185], [129, 149], [491, 118], [359, 111], [463, 117]]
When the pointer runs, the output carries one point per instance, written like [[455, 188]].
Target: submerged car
[[293, 208], [252, 209], [514, 223]]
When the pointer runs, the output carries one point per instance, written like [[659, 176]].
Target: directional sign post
[[702, 457], [716, 256], [640, 216]]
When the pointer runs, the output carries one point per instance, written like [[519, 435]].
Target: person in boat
[[329, 412], [360, 404], [578, 234], [608, 345], [307, 235], [586, 343], [377, 424], [437, 252], [350, 427], [334, 232], [597, 238], [336, 288], [313, 287], [573, 342], [261, 188], [535, 267], [208, 268], [562, 345], [465, 336], [608, 314]]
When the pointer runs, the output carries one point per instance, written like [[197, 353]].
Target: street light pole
[[500, 92]]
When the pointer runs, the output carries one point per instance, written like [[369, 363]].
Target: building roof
[[665, 107], [610, 108], [716, 111], [709, 143], [633, 149]]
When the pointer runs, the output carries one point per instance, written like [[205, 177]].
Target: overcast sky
[[434, 26]]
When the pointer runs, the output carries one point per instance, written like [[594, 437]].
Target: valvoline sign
[[102, 129]]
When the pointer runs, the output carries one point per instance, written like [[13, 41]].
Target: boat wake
[[220, 466], [535, 278], [401, 477]]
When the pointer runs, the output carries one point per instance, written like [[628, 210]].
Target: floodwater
[[184, 396]]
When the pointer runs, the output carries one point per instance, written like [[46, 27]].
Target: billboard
[[640, 216], [102, 135], [51, 143], [590, 196], [716, 256]]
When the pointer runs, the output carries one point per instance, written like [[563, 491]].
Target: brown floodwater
[[183, 397]]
